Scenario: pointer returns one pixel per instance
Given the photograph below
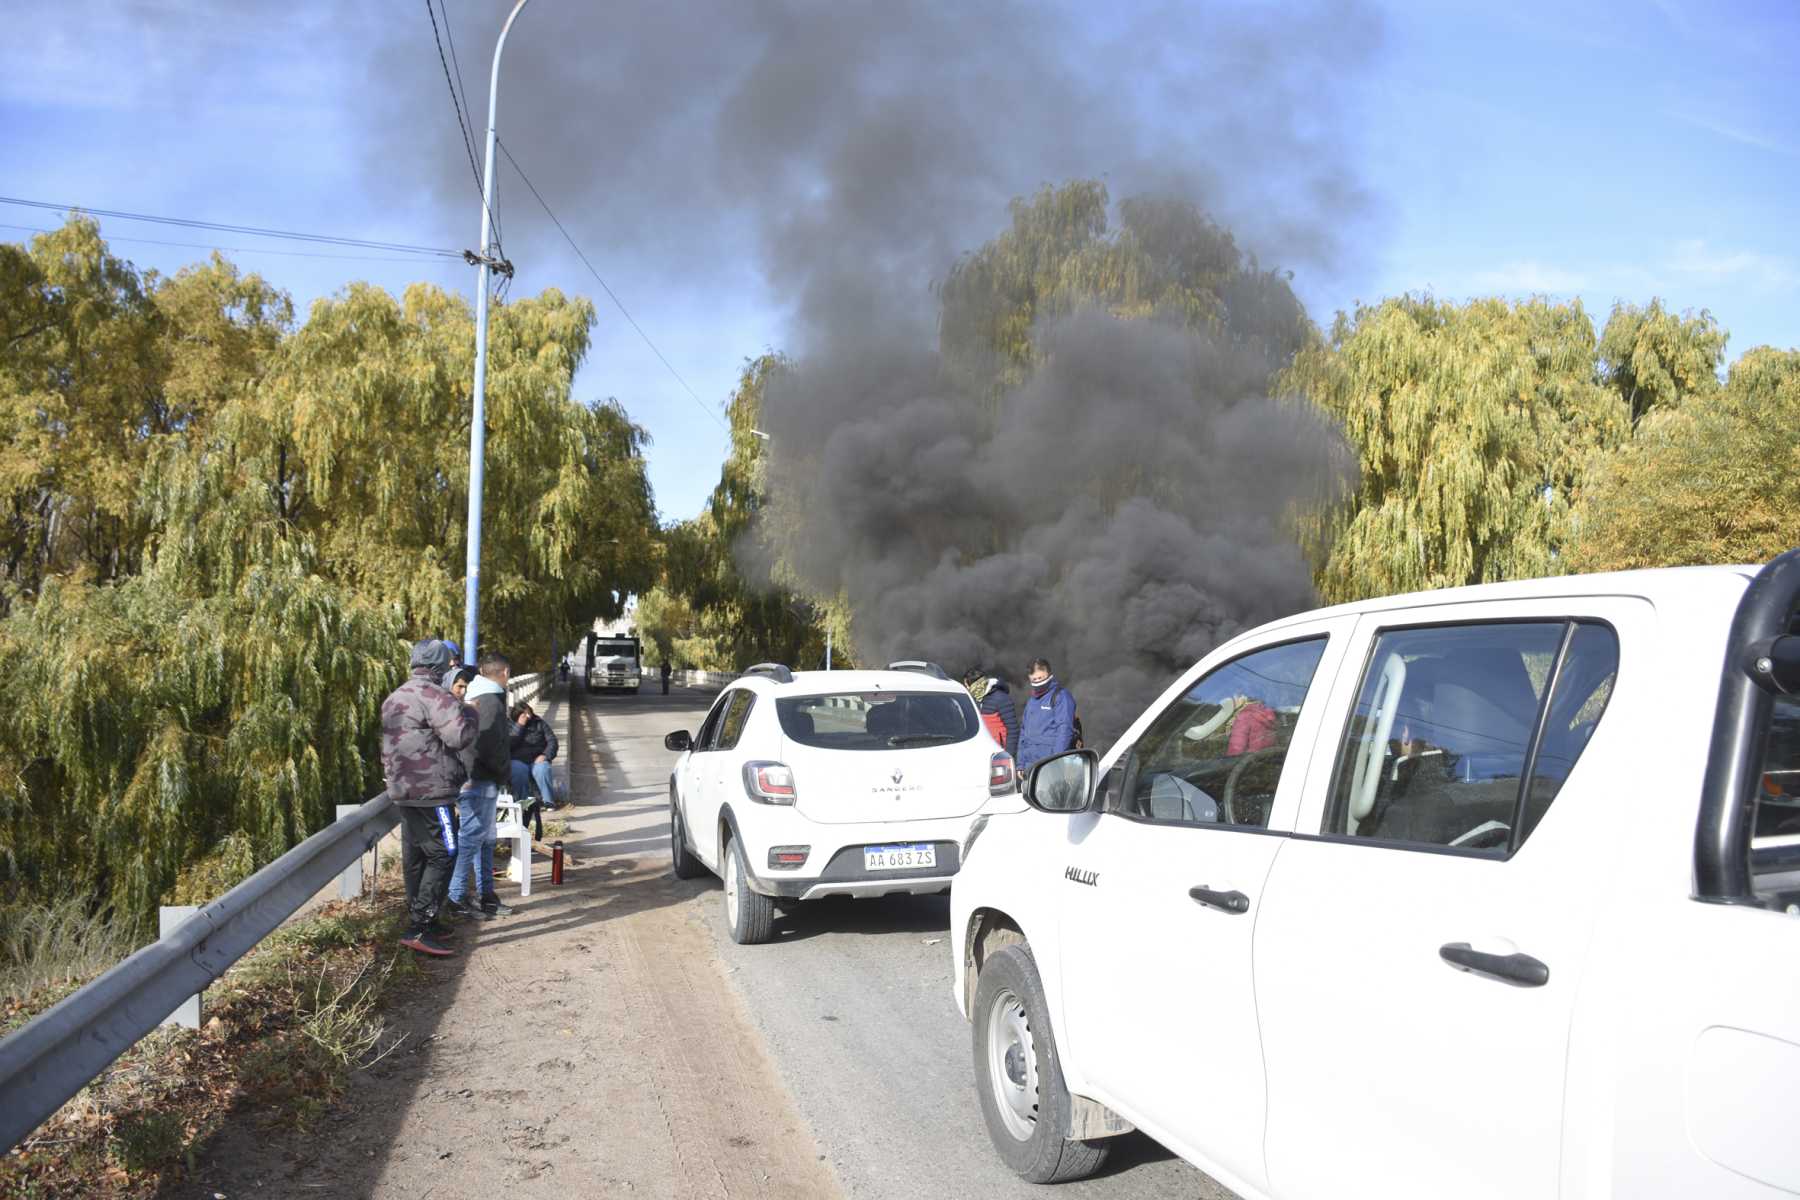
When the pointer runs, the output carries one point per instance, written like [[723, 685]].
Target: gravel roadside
[[588, 1044]]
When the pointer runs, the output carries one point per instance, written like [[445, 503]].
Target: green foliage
[[1475, 425], [1655, 360], [219, 530], [1713, 480]]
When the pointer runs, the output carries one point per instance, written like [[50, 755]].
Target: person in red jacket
[[995, 701]]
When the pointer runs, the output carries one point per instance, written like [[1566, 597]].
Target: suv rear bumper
[[836, 866], [845, 875]]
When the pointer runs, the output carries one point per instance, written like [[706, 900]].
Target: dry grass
[[282, 1031], [47, 948]]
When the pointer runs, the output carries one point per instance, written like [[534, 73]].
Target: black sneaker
[[423, 942], [492, 906], [441, 930], [469, 912]]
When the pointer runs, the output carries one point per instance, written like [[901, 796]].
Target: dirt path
[[587, 1045]]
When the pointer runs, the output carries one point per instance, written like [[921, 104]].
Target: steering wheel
[[1488, 835], [1237, 768]]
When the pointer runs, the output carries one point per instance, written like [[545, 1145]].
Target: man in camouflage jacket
[[424, 730]]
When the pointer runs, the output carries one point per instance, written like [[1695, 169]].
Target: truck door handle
[[1235, 903], [1520, 970]]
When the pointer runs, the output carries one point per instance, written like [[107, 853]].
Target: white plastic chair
[[509, 822]]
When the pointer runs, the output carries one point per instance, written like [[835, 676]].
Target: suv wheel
[[749, 916], [1019, 1077], [682, 860]]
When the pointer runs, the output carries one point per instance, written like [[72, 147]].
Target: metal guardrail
[[62, 1049]]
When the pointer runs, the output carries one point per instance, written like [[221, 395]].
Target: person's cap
[[454, 649], [430, 653]]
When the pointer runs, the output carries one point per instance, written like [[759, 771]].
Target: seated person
[[533, 749], [1253, 725]]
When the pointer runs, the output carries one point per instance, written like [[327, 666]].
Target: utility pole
[[478, 418]]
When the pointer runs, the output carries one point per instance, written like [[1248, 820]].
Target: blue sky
[[1609, 152]]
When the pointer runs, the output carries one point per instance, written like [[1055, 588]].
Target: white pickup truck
[[1485, 892]]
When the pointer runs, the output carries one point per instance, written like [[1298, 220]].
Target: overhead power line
[[610, 294], [234, 249], [249, 230], [468, 141]]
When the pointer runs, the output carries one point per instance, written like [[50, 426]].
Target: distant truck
[[614, 663]]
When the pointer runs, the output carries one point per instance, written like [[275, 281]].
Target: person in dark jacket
[[533, 750], [424, 731], [489, 762], [1047, 726], [996, 703]]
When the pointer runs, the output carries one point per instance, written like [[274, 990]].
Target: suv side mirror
[[679, 740], [1063, 783]]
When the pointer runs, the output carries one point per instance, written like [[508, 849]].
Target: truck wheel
[[1019, 1077], [685, 865], [749, 916]]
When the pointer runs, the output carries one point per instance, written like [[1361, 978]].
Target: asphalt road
[[853, 1002]]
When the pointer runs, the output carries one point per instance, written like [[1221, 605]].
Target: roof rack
[[921, 666], [775, 671]]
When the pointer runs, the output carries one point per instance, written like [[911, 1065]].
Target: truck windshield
[[878, 720]]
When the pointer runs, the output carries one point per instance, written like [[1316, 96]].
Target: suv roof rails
[[776, 671], [921, 666]]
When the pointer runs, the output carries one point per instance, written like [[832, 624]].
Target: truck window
[[1775, 843], [1446, 730], [1214, 756]]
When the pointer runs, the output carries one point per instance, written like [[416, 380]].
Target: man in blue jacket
[[1047, 726]]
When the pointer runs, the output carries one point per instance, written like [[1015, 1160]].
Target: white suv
[[1477, 893], [831, 783]]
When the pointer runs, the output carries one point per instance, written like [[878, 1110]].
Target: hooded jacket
[[489, 756], [1047, 726], [997, 712], [424, 732], [534, 738]]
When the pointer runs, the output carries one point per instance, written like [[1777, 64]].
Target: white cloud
[[1696, 259], [1530, 277]]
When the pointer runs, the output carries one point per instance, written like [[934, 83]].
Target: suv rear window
[[878, 720]]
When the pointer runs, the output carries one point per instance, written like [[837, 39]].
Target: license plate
[[899, 858]]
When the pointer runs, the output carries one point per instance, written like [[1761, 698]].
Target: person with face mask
[[1047, 726]]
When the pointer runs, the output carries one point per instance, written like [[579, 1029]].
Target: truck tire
[[749, 915], [682, 860], [1019, 1076]]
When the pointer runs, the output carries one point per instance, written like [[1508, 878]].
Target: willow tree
[[1062, 251], [225, 531], [1713, 480], [740, 600], [1656, 359], [1474, 425], [363, 432]]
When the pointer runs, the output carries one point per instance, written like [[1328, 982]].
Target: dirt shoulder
[[589, 1044]]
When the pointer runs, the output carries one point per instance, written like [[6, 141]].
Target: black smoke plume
[[1126, 505]]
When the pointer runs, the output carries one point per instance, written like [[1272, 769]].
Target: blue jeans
[[475, 841], [524, 774]]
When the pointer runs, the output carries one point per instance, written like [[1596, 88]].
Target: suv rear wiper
[[920, 739]]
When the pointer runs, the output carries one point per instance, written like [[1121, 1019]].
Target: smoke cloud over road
[[1121, 509]]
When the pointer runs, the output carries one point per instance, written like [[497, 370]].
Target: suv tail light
[[1001, 776], [769, 782]]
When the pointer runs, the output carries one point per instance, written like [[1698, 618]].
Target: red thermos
[[555, 862]]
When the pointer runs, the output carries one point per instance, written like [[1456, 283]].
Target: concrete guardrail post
[[350, 883], [169, 917]]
